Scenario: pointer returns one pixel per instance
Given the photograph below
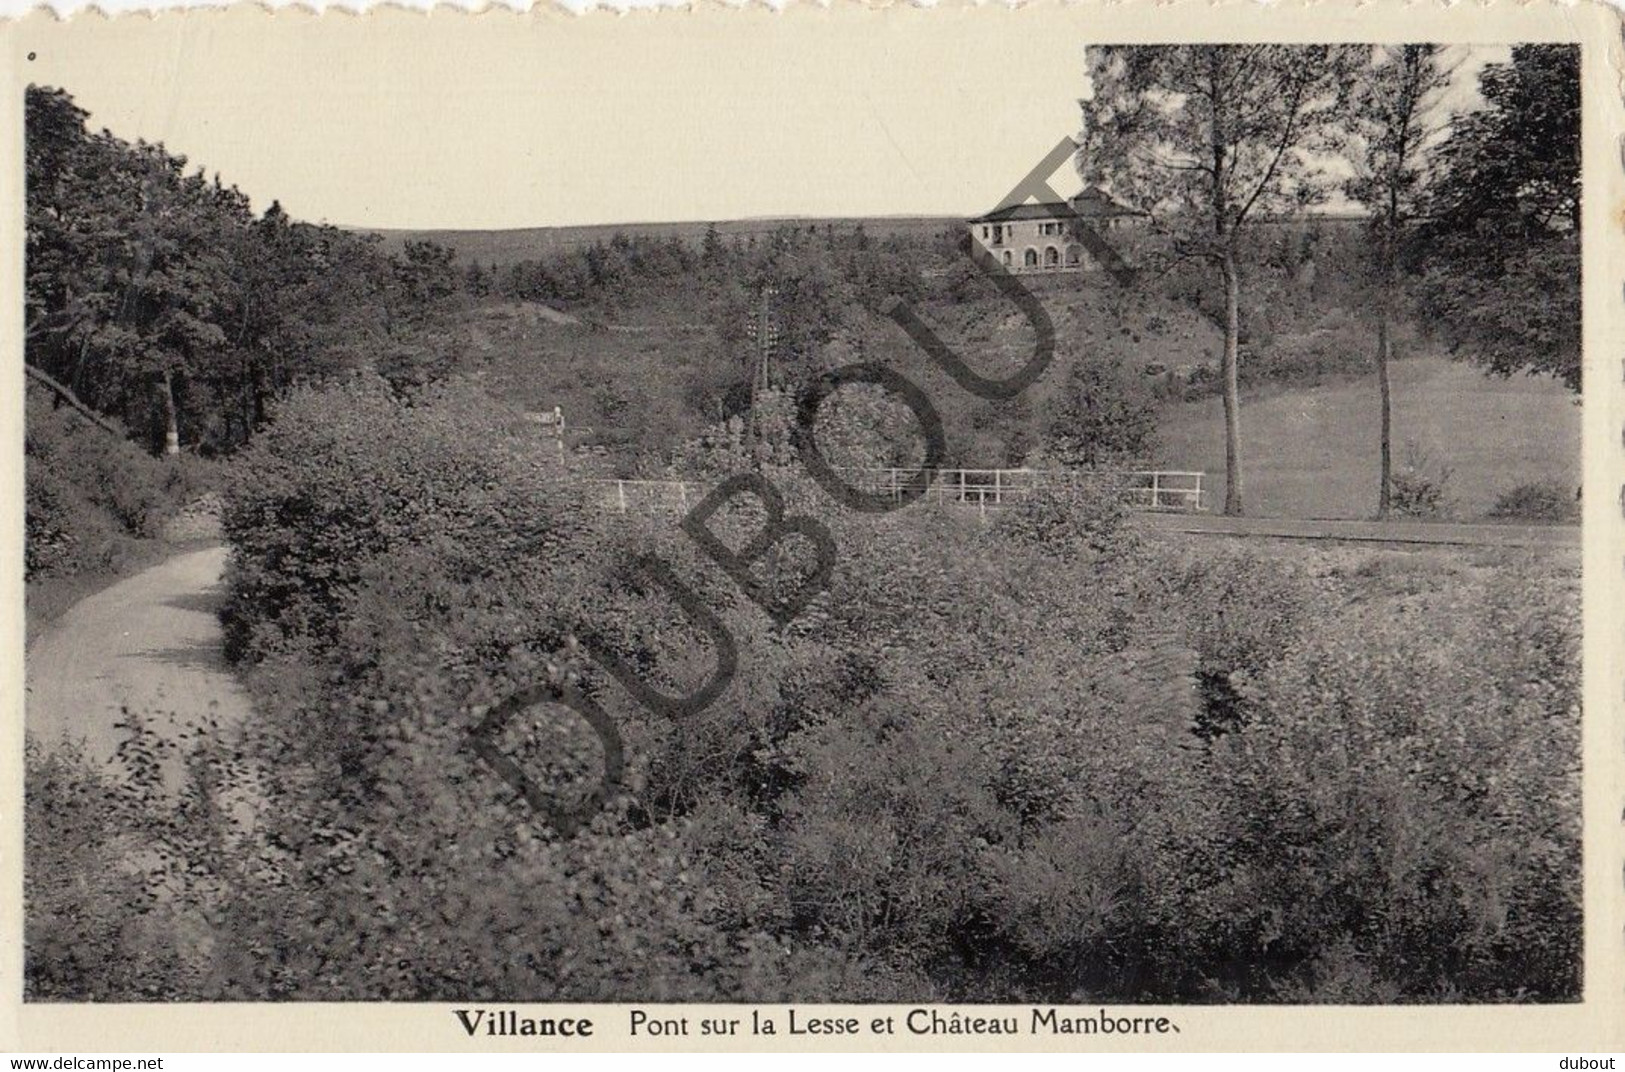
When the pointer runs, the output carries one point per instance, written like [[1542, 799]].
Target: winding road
[[150, 644]]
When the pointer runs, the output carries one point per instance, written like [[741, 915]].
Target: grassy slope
[[1313, 453], [1309, 452], [627, 386]]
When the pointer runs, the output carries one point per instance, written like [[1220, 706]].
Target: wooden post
[[620, 493], [1156, 493], [998, 487]]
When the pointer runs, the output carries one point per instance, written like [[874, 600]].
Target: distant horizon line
[[922, 217], [1337, 213]]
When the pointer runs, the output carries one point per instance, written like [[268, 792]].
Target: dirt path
[[1389, 532], [150, 644]]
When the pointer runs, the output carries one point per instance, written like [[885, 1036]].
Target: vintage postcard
[[1062, 527]]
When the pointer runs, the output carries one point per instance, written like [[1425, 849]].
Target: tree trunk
[[172, 437], [1232, 385], [1385, 388], [64, 395]]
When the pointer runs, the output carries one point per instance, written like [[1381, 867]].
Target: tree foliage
[[153, 288], [1500, 253]]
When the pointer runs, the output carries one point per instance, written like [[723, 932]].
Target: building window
[[1007, 258], [984, 230], [1052, 257], [1030, 258]]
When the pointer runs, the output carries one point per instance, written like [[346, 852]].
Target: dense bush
[[1544, 500], [1032, 758], [1398, 822], [90, 495], [1419, 486], [1102, 414], [353, 476]]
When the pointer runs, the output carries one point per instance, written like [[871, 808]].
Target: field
[[1313, 453]]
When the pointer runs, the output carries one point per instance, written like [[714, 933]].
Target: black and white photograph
[[510, 539]]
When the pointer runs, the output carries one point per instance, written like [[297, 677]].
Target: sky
[[519, 121]]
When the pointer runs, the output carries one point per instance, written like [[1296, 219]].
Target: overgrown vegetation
[[1172, 775], [92, 498]]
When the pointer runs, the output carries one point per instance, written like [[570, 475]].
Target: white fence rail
[[1148, 489], [1166, 490]]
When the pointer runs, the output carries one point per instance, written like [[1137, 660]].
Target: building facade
[[1043, 236]]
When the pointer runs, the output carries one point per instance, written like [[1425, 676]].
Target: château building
[[1041, 236]]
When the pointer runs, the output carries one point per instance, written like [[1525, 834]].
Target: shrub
[[1393, 799], [1419, 486], [1102, 413], [352, 475], [97, 927], [1069, 517], [1548, 501], [1326, 348]]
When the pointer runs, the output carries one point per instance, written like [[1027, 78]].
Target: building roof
[[1091, 203]]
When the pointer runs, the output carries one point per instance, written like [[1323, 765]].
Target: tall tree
[[1501, 245], [1394, 128], [1206, 139], [154, 294]]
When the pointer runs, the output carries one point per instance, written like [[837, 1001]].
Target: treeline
[[626, 265], [156, 296]]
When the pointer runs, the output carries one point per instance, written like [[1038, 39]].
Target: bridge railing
[[1149, 489], [627, 495]]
